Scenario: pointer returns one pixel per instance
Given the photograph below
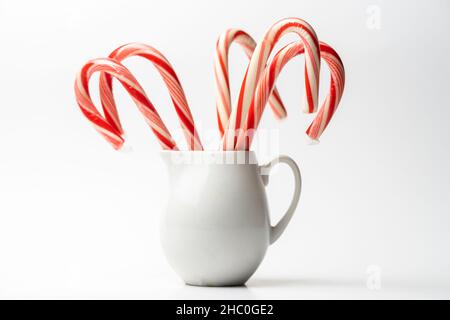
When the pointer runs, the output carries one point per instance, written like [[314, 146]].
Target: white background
[[79, 220]]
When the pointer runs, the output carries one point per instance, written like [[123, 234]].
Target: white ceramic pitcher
[[216, 228]]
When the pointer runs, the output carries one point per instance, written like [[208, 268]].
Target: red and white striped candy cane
[[102, 124], [256, 68], [267, 83], [170, 79], [223, 100], [337, 83]]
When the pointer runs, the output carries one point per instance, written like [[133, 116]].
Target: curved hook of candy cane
[[170, 79], [267, 82], [132, 86], [256, 68], [337, 84], [221, 72]]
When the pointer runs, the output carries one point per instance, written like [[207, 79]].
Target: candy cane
[[337, 83], [171, 80], [102, 124], [267, 83], [256, 67], [223, 101]]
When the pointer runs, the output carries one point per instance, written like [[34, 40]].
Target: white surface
[[78, 220]]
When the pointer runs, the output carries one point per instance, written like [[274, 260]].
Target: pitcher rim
[[210, 157], [207, 151]]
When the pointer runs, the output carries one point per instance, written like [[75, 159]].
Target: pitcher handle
[[277, 230]]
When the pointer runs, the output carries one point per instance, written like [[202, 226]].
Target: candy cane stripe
[[170, 79], [256, 68], [267, 83], [223, 100], [101, 124]]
